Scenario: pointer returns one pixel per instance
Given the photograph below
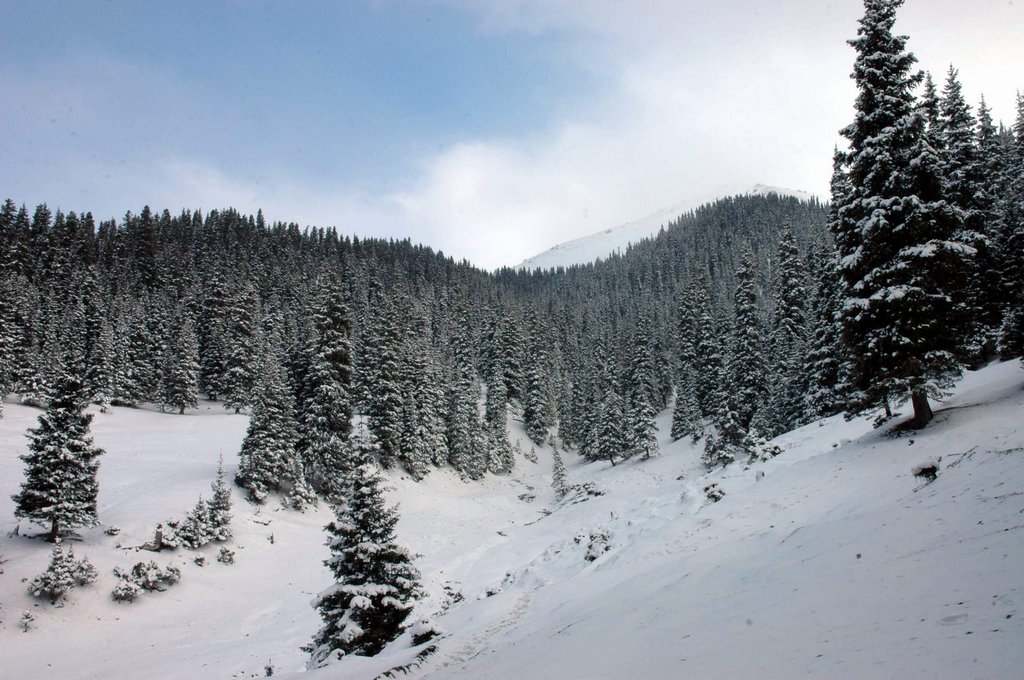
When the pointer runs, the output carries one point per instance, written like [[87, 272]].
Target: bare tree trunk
[[922, 410], [54, 532]]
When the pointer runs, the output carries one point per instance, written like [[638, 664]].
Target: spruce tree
[[243, 334], [219, 506], [384, 377], [376, 582], [747, 374], [60, 485], [686, 418], [535, 387], [902, 247], [784, 408], [559, 476], [179, 379], [268, 459], [325, 420]]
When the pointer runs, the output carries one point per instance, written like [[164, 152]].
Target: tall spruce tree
[[903, 255], [376, 582], [748, 379], [325, 420], [268, 459], [60, 486]]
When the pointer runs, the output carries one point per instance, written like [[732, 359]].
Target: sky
[[488, 129]]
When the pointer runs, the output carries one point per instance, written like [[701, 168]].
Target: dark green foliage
[[325, 418], [905, 254], [60, 485], [376, 582]]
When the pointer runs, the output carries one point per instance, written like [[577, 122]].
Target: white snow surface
[[838, 563], [617, 239]]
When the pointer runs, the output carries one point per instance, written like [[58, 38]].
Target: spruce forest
[[382, 388]]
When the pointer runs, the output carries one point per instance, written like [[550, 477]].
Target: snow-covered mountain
[[831, 560], [600, 245]]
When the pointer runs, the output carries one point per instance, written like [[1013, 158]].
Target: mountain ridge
[[601, 244]]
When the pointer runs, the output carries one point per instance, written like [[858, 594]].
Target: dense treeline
[[738, 314]]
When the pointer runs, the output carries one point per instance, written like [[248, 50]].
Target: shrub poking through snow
[[597, 543], [927, 470], [125, 591], [143, 576], [63, 573], [713, 492], [424, 631], [226, 556], [26, 621]]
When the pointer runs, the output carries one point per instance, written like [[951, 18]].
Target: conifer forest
[[439, 455]]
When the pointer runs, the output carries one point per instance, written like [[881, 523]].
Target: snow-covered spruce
[[62, 574], [60, 485], [377, 583]]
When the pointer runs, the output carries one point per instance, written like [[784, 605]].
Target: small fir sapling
[[559, 477], [226, 556], [62, 574], [27, 620], [219, 507]]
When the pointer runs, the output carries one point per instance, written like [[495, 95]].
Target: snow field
[[837, 563]]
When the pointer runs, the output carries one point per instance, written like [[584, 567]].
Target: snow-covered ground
[[617, 239], [837, 563]]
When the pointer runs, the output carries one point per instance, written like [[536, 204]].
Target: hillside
[[616, 239], [837, 563]]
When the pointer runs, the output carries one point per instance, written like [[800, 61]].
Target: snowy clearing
[[837, 563]]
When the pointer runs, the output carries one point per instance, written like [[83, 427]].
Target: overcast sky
[[489, 129]]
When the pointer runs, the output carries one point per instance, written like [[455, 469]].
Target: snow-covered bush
[[226, 556], [713, 492], [597, 543], [149, 576], [424, 630], [27, 619], [125, 591], [927, 469]]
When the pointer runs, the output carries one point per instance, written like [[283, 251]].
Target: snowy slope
[[600, 245], [838, 563]]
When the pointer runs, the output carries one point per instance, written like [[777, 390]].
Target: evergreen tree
[[213, 340], [326, 418], [242, 331], [384, 375], [903, 255], [686, 418], [60, 485], [536, 410], [219, 507], [822, 367], [467, 445], [376, 582], [1010, 247], [748, 378], [784, 408], [496, 423], [559, 476], [179, 385], [964, 187], [268, 459]]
